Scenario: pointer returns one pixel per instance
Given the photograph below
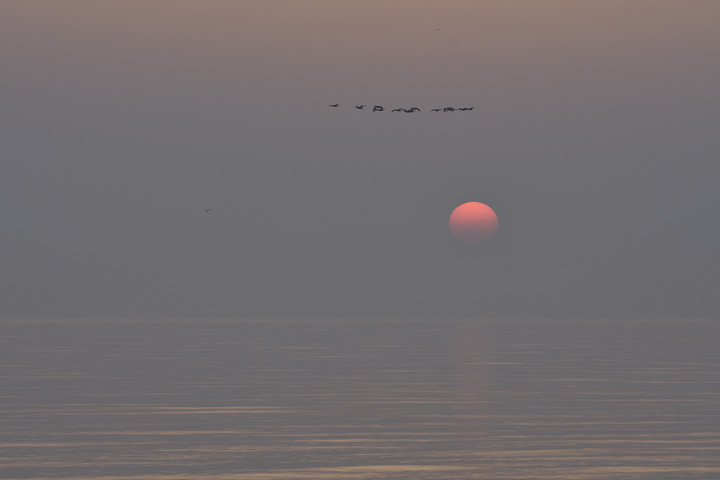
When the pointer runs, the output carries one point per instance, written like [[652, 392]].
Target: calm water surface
[[360, 400]]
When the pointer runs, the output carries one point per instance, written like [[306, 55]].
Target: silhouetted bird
[[334, 105], [208, 210], [398, 110], [448, 109], [413, 109], [465, 109], [435, 110], [378, 108], [359, 107]]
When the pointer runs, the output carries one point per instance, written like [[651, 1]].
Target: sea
[[572, 399]]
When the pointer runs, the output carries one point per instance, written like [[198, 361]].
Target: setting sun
[[473, 222]]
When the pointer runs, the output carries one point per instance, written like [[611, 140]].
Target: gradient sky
[[594, 138]]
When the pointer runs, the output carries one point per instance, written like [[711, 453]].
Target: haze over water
[[506, 399], [174, 159]]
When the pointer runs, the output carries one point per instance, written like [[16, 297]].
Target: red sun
[[473, 222]]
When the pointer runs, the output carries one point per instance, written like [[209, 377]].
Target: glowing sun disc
[[473, 222]]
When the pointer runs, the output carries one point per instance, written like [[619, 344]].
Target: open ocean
[[222, 400]]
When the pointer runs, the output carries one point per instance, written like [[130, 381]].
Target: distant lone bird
[[378, 108], [465, 109], [398, 110], [359, 107], [413, 109], [208, 210], [448, 109], [334, 105], [435, 110]]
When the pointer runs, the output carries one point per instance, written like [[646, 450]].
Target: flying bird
[[435, 110], [378, 108], [334, 105], [398, 110], [413, 109], [448, 109], [359, 107], [465, 109]]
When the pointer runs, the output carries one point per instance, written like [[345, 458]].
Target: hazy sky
[[594, 137]]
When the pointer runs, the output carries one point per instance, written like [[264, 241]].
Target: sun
[[473, 222]]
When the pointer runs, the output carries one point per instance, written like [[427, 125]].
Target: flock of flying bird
[[380, 108]]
